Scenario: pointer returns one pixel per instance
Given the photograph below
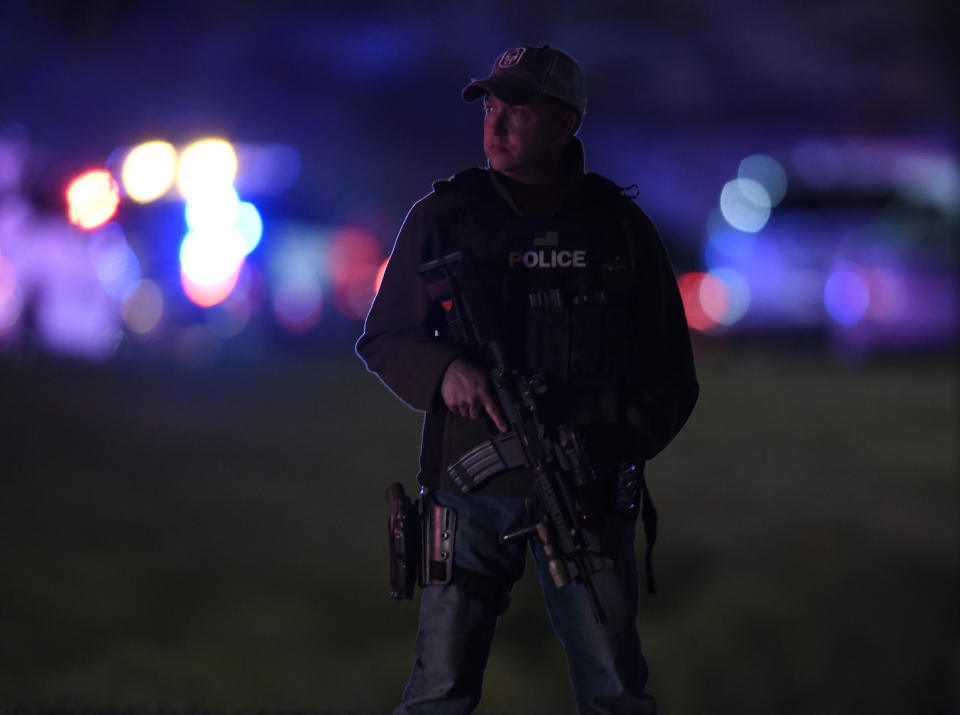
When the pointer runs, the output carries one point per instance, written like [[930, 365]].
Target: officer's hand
[[466, 391]]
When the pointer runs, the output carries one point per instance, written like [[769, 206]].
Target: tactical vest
[[566, 289], [563, 288]]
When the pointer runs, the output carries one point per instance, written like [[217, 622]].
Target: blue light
[[768, 173], [745, 204], [728, 247], [118, 270], [116, 265], [250, 225], [846, 294]]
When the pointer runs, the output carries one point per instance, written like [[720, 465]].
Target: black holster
[[421, 550], [404, 531], [421, 544], [439, 527]]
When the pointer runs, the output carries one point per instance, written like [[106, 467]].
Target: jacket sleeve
[[666, 390], [401, 340]]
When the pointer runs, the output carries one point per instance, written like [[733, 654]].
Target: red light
[[209, 295], [92, 199], [703, 295], [351, 249], [715, 298], [353, 294], [355, 262]]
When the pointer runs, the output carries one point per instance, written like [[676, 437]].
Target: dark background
[[210, 534]]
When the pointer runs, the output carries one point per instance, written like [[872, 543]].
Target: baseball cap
[[523, 74]]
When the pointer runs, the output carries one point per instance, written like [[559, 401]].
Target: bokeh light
[[350, 248], [888, 295], [116, 265], [208, 294], [736, 299], [213, 210], [728, 246], [10, 303], [208, 165], [266, 169], [768, 173], [704, 296], [745, 205], [297, 267], [209, 257], [223, 230], [931, 179], [714, 298], [250, 225], [142, 309], [353, 259], [14, 153], [92, 199], [149, 170], [228, 318], [297, 304], [75, 316], [846, 294], [251, 290], [354, 295]]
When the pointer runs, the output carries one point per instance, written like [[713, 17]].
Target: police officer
[[584, 294]]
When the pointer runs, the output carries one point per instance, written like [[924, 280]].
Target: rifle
[[554, 453]]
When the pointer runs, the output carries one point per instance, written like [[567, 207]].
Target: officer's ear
[[571, 122], [568, 119]]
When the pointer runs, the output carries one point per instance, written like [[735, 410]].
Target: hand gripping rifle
[[554, 453]]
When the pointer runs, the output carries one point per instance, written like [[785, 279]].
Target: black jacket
[[628, 373]]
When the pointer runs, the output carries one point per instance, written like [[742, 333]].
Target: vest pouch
[[548, 341]]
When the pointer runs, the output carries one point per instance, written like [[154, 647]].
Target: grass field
[[216, 540]]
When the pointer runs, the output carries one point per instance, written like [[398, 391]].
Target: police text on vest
[[549, 259]]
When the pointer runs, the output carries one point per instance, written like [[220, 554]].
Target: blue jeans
[[607, 669]]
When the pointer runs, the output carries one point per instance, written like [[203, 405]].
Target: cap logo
[[511, 58]]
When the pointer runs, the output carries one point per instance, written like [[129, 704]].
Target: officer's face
[[520, 138]]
